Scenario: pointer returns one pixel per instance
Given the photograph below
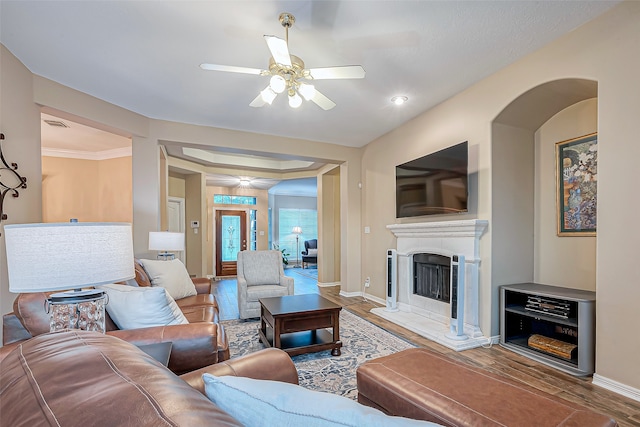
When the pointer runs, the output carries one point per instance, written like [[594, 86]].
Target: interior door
[[175, 216], [231, 237]]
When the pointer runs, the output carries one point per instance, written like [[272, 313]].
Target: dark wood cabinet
[[562, 317]]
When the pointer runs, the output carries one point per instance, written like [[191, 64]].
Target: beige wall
[[568, 261], [604, 50], [329, 228], [196, 210], [88, 190], [20, 124], [176, 186]]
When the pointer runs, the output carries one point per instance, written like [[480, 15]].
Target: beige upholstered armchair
[[260, 275]]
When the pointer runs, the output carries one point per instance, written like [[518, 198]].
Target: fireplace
[[431, 276], [424, 253]]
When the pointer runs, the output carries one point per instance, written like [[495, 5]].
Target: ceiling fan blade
[[231, 69], [279, 50], [346, 72], [322, 101], [257, 102], [265, 97]]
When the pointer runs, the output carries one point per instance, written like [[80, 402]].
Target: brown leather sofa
[[420, 384], [79, 378], [200, 343]]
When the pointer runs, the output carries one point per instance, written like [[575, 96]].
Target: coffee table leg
[[263, 324], [276, 332], [336, 335], [336, 350]]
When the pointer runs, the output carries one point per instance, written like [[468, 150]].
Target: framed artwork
[[577, 185]]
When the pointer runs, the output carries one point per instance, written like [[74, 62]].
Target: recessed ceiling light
[[399, 100]]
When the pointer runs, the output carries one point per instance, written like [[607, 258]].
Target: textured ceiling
[[145, 55]]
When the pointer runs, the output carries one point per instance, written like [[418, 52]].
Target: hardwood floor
[[494, 359]]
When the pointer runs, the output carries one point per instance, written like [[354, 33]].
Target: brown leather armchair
[[200, 343]]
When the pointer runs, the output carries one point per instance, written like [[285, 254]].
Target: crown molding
[[87, 155]]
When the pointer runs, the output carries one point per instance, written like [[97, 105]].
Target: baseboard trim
[[363, 295], [328, 284], [616, 387], [350, 294], [380, 301]]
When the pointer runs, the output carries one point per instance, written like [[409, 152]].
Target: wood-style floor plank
[[495, 359], [504, 362]]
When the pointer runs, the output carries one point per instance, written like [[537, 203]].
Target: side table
[[160, 351]]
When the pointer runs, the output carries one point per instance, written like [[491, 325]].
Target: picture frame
[[577, 185]]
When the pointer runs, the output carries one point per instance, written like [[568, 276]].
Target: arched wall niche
[[516, 161], [534, 107]]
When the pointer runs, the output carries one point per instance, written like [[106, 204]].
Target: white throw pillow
[[171, 275], [260, 403], [133, 307], [312, 252]]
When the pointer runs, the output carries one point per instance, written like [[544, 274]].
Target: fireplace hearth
[[424, 252]]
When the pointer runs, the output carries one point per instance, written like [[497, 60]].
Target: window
[[227, 199], [306, 219], [253, 230]]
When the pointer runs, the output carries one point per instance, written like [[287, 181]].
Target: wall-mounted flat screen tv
[[433, 184]]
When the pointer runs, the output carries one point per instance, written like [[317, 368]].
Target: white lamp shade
[[296, 230], [166, 241], [61, 256]]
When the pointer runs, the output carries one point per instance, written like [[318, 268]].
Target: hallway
[[226, 290]]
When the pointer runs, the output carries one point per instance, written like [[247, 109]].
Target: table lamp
[[297, 231], [62, 256], [165, 241]]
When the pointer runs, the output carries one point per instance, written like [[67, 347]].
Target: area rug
[[307, 272], [361, 341]]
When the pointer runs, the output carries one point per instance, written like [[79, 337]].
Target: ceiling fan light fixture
[[294, 100], [268, 95], [286, 72], [399, 100], [278, 84], [307, 91]]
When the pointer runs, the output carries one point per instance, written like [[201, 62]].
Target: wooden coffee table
[[297, 324]]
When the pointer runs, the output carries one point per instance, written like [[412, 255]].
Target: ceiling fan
[[289, 74]]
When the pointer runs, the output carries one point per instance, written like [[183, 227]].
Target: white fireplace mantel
[[425, 316], [464, 228], [461, 237]]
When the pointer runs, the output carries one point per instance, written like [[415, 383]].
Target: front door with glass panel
[[231, 237]]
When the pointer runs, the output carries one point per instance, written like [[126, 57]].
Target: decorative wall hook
[[9, 187]]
